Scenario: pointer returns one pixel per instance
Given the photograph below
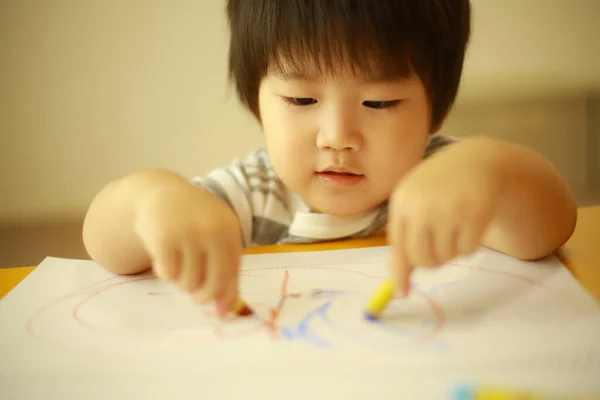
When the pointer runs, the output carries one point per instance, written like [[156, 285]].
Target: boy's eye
[[380, 104], [300, 101]]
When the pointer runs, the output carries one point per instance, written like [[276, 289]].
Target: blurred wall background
[[93, 90]]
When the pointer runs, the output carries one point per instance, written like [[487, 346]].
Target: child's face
[[367, 134]]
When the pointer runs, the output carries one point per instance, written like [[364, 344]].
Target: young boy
[[349, 94]]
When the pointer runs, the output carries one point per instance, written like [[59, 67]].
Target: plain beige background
[[92, 90]]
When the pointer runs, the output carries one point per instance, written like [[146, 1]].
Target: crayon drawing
[[73, 330], [315, 307]]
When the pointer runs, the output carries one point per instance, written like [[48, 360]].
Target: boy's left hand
[[441, 209]]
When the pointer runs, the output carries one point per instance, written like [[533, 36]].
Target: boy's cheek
[[290, 154], [289, 138]]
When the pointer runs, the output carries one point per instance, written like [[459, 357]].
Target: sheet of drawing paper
[[74, 330]]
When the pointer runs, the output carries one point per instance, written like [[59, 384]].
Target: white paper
[[74, 330]]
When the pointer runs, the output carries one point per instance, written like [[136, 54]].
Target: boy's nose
[[340, 134]]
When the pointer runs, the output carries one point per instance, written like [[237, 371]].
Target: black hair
[[388, 38]]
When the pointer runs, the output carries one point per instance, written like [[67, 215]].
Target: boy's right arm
[[108, 229], [159, 219]]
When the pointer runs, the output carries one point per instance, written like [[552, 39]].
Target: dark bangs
[[375, 39]]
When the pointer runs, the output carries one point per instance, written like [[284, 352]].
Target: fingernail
[[221, 310], [200, 297], [402, 289]]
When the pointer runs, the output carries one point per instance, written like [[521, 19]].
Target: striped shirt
[[271, 213]]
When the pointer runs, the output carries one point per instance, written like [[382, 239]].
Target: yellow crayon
[[379, 300], [242, 309]]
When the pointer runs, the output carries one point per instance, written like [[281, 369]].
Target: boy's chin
[[340, 208]]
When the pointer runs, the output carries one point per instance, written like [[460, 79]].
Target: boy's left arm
[[475, 192], [536, 211]]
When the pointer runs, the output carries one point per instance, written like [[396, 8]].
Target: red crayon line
[[274, 312]]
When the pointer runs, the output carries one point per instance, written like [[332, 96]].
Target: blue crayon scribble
[[399, 332], [302, 330], [287, 334]]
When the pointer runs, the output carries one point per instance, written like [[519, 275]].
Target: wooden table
[[581, 253]]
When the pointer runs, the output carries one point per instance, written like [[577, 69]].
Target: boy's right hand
[[194, 240]]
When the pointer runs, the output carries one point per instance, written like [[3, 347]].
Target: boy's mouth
[[339, 171], [339, 176]]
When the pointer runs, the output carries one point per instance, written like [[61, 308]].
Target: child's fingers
[[229, 296], [227, 292], [470, 237], [403, 272], [231, 277], [166, 261], [206, 292], [230, 293], [194, 268], [399, 264], [445, 244], [420, 245], [218, 271], [164, 253]]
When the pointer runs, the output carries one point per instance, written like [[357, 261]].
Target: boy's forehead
[[311, 70]]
